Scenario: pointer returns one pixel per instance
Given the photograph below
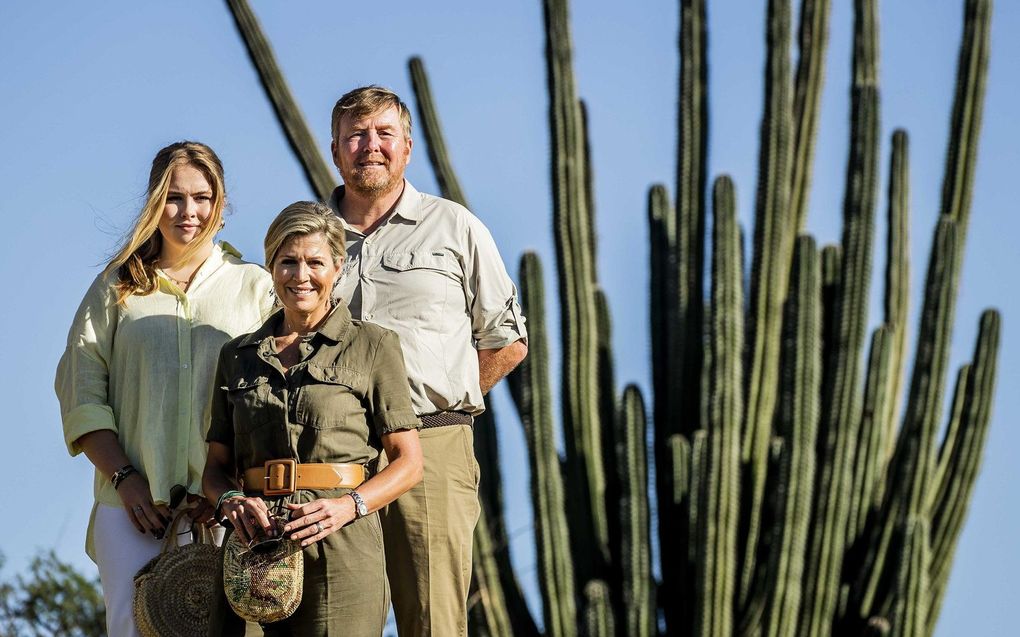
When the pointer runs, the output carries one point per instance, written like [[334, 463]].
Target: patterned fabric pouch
[[263, 582]]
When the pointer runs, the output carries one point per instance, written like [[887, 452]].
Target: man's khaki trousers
[[428, 533]]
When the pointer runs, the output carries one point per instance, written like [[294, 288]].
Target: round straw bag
[[263, 584], [175, 590]]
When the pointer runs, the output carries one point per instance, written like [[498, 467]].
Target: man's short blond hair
[[368, 100]]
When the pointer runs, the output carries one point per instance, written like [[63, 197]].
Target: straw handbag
[[263, 583], [176, 589]]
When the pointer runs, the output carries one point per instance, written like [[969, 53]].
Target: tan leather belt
[[283, 477]]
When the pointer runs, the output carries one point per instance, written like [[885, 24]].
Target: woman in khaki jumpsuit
[[302, 409]]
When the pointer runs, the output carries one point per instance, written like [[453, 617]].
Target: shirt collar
[[334, 328], [408, 206]]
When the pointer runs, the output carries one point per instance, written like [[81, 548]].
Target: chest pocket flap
[[437, 259], [331, 398], [337, 375], [246, 382], [249, 395]]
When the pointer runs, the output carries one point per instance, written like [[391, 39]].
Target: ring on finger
[[319, 526]]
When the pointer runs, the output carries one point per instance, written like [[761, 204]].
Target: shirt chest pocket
[[429, 281], [330, 397], [250, 396]]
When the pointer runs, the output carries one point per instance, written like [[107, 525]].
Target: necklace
[[181, 283]]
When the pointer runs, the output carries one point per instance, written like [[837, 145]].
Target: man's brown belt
[[444, 418], [283, 477]]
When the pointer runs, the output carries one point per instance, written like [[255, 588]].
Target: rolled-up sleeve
[[389, 394], [496, 317], [82, 381]]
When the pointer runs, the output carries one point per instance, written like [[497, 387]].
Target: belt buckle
[[280, 477]]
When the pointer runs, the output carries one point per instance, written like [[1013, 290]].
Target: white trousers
[[120, 552]]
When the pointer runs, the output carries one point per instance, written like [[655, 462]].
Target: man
[[428, 269]]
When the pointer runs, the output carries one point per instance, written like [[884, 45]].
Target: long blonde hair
[[135, 261]]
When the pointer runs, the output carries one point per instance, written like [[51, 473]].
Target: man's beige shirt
[[431, 273]]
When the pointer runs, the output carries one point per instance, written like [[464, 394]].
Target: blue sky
[[92, 91]]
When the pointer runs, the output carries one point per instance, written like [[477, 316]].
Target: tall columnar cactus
[[722, 406], [790, 499], [637, 615], [769, 268], [798, 425], [841, 396], [678, 293], [897, 277], [533, 396], [579, 316]]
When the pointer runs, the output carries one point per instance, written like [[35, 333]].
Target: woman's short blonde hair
[[135, 261], [301, 219]]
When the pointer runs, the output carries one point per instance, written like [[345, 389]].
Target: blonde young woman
[[135, 380]]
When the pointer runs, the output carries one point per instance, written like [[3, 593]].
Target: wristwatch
[[360, 508]]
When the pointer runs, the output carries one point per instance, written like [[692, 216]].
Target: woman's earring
[[332, 292]]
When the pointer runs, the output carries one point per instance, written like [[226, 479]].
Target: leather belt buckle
[[280, 477]]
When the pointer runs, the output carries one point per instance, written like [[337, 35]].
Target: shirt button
[[185, 366], [368, 317]]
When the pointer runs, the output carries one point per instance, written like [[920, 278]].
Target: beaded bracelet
[[119, 475], [233, 493]]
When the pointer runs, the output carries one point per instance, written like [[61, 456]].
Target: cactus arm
[[798, 425], [910, 616], [951, 439], [897, 277], [870, 454], [598, 612], [317, 171], [968, 106], [723, 408], [842, 418], [439, 156], [578, 319], [487, 609], [769, 270], [532, 393], [961, 473], [812, 42], [689, 227], [638, 609]]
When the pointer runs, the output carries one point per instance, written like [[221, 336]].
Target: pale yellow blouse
[[144, 370]]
